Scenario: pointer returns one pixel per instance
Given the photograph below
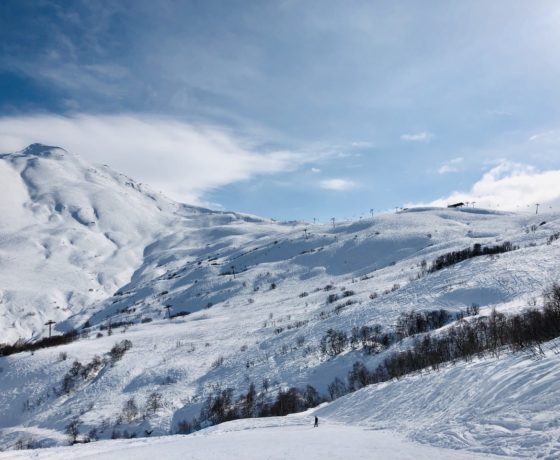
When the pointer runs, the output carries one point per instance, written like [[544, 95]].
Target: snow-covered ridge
[[83, 245]]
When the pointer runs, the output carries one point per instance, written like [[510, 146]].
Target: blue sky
[[294, 109]]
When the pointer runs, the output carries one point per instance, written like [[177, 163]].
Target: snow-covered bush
[[118, 350]]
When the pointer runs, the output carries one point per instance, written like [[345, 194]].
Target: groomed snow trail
[[277, 438]]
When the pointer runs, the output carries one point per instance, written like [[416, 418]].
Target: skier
[[316, 422]]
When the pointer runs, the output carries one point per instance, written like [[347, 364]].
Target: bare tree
[[73, 430]]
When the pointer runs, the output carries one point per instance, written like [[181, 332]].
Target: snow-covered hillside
[[249, 301], [71, 234]]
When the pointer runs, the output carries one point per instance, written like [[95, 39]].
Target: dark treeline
[[454, 257], [414, 322], [418, 322], [220, 406], [468, 339], [374, 339], [22, 345]]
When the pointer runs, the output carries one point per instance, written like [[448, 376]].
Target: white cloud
[[423, 136], [180, 159], [315, 170], [550, 137], [450, 166], [511, 186], [361, 144], [337, 184], [500, 113]]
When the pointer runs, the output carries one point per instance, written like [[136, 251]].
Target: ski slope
[[503, 406], [291, 437], [93, 250]]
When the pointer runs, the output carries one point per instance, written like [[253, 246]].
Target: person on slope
[[316, 422]]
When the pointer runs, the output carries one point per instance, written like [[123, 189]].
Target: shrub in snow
[[73, 430], [371, 338], [130, 410], [119, 349], [24, 443], [333, 342], [154, 402], [555, 236], [332, 298], [77, 371], [93, 434], [217, 362]]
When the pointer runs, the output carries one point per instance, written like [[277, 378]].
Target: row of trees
[[23, 345], [221, 406], [79, 372], [374, 339], [418, 322], [454, 257]]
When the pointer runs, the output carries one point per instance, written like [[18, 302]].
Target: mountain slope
[[71, 234]]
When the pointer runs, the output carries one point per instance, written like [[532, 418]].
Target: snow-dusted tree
[[154, 403], [73, 430], [130, 410], [333, 342]]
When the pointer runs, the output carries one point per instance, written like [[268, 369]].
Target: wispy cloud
[[181, 159], [423, 136], [453, 165], [500, 113], [361, 144], [337, 184], [551, 136]]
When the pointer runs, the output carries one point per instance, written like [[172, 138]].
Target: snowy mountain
[[201, 301], [71, 234]]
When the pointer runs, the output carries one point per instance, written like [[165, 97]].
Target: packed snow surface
[[291, 437], [250, 300]]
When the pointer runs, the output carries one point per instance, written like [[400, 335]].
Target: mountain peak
[[42, 150]]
